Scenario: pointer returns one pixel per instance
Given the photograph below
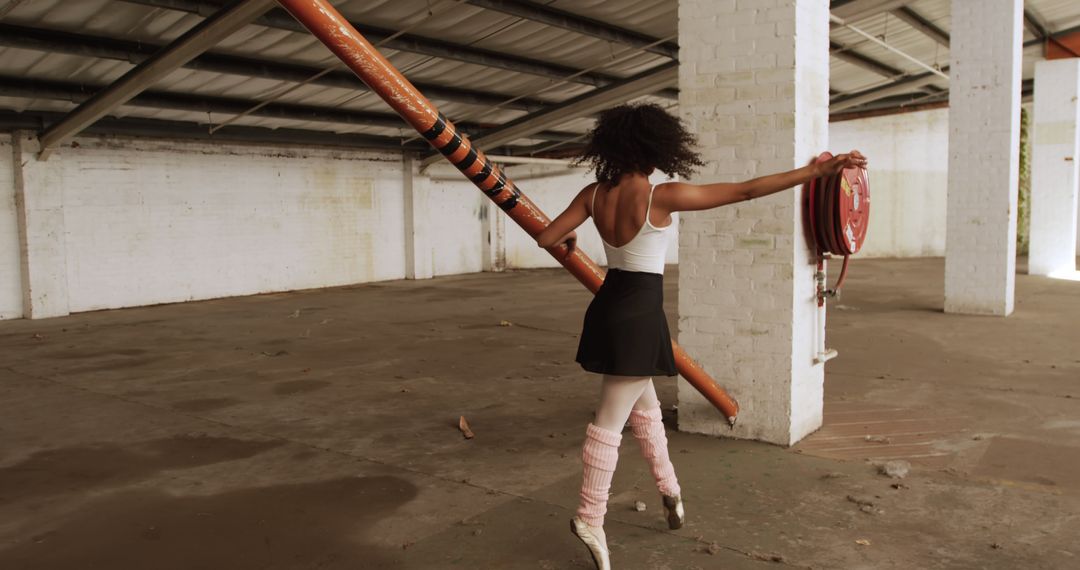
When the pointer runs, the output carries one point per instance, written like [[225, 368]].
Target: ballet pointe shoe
[[673, 509], [597, 546]]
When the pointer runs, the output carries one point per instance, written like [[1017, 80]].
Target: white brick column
[[753, 82], [39, 204], [418, 252], [984, 156], [1055, 170]]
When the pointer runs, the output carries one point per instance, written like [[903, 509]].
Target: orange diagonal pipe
[[332, 29]]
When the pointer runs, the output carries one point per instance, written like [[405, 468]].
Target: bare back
[[619, 211]]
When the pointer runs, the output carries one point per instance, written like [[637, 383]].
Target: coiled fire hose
[[837, 211]]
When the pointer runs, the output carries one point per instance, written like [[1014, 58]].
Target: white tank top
[[645, 252]]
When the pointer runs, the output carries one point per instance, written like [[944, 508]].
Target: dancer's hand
[[836, 164], [570, 241]]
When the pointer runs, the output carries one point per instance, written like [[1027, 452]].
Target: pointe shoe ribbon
[[597, 548]]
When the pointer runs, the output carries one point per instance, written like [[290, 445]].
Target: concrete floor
[[319, 430]]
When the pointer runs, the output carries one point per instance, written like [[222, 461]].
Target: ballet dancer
[[625, 335]]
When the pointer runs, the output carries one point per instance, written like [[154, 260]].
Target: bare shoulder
[[583, 199], [669, 187], [587, 190], [585, 195], [664, 194]]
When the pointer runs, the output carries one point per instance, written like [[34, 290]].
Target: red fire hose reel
[[837, 212]]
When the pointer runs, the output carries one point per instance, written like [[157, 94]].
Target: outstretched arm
[[681, 197], [561, 229]]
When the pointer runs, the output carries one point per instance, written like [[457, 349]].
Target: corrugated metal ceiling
[[445, 20]]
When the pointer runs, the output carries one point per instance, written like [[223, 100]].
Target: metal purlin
[[332, 29]]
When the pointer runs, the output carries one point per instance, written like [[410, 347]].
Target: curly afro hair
[[639, 138]]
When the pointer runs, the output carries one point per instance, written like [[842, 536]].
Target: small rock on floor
[[897, 468]]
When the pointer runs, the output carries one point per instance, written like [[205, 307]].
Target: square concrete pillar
[[1055, 171], [984, 156], [753, 85], [39, 204], [492, 237], [419, 263]]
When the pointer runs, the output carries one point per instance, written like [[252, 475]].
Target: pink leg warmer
[[600, 454], [649, 431]]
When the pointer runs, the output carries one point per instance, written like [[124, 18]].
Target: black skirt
[[625, 331]]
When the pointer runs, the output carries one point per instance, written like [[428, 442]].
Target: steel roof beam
[[75, 92], [135, 52], [643, 83], [913, 101], [913, 98], [853, 10], [921, 24], [584, 25], [158, 128], [279, 19], [909, 82], [198, 39], [898, 87], [904, 84], [1035, 25], [880, 42], [843, 53], [1053, 36]]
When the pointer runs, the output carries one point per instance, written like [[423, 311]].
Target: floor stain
[[81, 469], [306, 525], [80, 354], [114, 364], [205, 404], [1026, 461], [299, 386]]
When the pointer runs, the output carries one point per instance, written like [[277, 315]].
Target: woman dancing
[[625, 335]]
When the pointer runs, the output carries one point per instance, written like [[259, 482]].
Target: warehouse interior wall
[[151, 221], [156, 221], [909, 160], [454, 214]]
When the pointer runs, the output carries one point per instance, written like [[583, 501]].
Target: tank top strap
[[648, 208], [592, 204]]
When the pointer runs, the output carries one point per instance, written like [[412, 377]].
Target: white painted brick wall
[[754, 86], [909, 164], [10, 272], [984, 139], [454, 214], [1055, 167], [158, 221]]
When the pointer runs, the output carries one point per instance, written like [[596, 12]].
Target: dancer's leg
[[648, 429], [648, 399], [618, 395], [601, 452]]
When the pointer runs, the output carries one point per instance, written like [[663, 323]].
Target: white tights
[[621, 394]]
